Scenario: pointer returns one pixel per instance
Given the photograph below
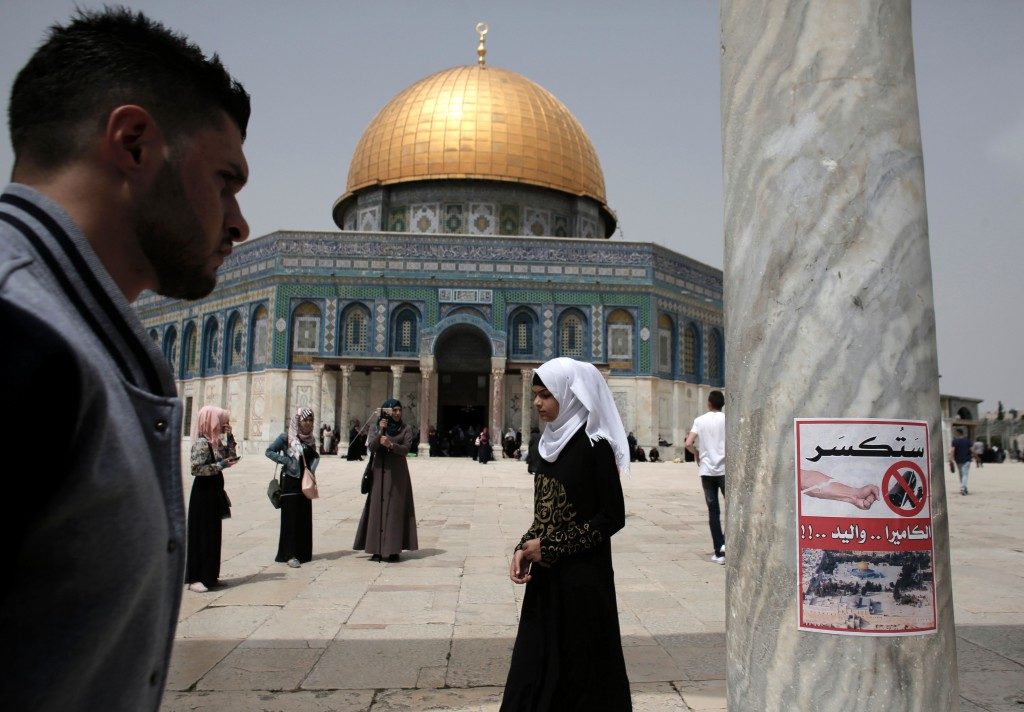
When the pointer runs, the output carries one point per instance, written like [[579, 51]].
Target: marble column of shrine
[[527, 408], [396, 381], [426, 406], [318, 397], [829, 313], [345, 410], [497, 403]]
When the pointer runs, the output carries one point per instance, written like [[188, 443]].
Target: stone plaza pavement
[[435, 630]]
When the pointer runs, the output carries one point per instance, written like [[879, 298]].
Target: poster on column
[[864, 527]]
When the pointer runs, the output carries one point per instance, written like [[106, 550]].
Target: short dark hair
[[716, 399], [104, 59]]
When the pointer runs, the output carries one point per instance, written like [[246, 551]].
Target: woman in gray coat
[[388, 523]]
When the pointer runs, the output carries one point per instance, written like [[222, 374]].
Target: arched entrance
[[463, 357]]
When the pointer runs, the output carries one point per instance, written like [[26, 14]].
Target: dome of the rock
[[482, 124]]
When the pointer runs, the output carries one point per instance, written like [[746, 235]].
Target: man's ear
[[133, 144]]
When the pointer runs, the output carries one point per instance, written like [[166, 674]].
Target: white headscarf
[[583, 397]]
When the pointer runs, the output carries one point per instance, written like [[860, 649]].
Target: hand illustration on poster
[[818, 484], [864, 527]]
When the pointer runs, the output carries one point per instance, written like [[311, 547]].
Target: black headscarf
[[393, 425]]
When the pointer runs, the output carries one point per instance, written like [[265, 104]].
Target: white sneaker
[[718, 559], [294, 563], [198, 587]]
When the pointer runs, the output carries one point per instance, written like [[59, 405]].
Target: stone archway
[[462, 355]]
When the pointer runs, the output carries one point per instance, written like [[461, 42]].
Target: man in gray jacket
[[128, 156]]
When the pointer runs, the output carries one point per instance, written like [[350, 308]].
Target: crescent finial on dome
[[481, 49]]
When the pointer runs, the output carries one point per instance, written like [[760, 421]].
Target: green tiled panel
[[645, 346], [498, 312]]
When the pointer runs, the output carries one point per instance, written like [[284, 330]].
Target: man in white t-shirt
[[709, 430]]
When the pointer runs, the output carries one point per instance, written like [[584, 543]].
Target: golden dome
[[479, 123]]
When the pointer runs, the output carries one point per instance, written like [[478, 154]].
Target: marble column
[[829, 313], [396, 381], [497, 402], [345, 410], [527, 405], [426, 406], [318, 396]]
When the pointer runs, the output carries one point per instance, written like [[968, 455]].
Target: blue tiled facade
[[314, 282]]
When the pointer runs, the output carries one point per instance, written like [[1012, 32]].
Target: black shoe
[[393, 558], [375, 557]]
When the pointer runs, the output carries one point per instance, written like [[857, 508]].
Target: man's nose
[[236, 226]]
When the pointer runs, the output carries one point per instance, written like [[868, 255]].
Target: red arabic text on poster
[[864, 530]]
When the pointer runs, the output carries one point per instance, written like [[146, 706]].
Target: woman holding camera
[[388, 523]]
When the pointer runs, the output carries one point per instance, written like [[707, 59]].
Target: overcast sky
[[643, 79]]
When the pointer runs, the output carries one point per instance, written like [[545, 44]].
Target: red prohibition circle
[[894, 474]]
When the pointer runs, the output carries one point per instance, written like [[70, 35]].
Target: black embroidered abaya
[[568, 651]]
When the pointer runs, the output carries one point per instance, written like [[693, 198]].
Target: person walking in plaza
[[633, 447], [213, 451], [296, 452], [532, 451], [483, 446], [356, 442], [709, 432], [960, 453], [509, 443], [568, 650], [127, 143], [978, 452], [388, 523]]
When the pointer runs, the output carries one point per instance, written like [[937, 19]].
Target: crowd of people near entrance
[[468, 440]]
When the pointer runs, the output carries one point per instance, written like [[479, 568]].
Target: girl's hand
[[531, 550], [519, 569]]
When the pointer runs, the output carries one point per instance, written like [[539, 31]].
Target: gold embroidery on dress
[[555, 523]]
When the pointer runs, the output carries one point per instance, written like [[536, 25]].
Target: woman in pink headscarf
[[213, 451]]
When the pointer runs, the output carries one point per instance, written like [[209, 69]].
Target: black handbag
[[274, 491], [367, 482], [225, 505]]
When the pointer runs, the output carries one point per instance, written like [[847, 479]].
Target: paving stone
[[657, 697], [480, 655], [260, 669], [703, 696], [651, 663], [192, 658], [993, 689], [335, 701], [390, 656], [297, 629], [225, 622], [480, 699]]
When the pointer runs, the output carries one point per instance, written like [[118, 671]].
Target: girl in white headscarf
[[568, 652]]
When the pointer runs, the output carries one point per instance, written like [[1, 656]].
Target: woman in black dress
[[483, 448], [213, 451], [296, 452], [568, 652]]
